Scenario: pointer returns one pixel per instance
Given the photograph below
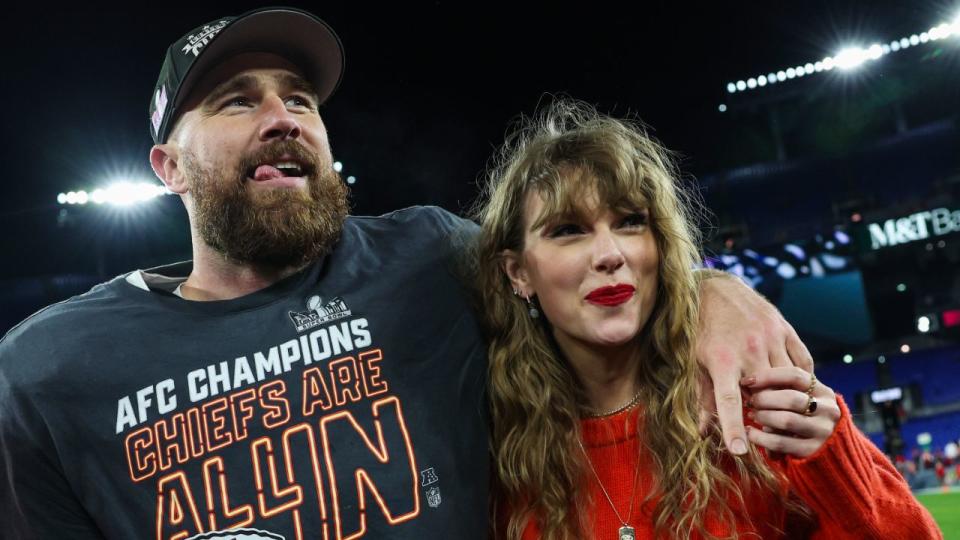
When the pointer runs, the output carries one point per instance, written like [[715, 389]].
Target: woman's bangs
[[568, 192]]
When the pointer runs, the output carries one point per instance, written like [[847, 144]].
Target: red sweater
[[851, 486]]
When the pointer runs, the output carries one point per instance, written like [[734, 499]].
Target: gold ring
[[811, 406], [813, 383]]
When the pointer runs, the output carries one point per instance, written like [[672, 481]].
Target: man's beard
[[277, 226]]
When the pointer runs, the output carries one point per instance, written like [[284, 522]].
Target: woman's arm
[[852, 487]]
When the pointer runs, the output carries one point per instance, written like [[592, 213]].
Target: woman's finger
[[783, 400], [784, 444], [807, 427], [782, 377]]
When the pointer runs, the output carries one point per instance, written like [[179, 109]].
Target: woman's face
[[595, 275]]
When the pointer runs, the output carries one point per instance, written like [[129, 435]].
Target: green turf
[[945, 508]]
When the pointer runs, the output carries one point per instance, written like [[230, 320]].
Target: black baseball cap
[[297, 35]]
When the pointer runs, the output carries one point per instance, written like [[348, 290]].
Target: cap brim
[[306, 41]]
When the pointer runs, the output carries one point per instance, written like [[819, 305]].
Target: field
[[945, 508]]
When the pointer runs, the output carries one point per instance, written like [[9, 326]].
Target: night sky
[[427, 95]]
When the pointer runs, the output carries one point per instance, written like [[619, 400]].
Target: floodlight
[[850, 58]]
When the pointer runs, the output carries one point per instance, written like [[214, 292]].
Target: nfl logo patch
[[433, 497]]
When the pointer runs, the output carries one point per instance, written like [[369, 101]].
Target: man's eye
[[238, 101], [638, 219], [567, 229], [300, 101]]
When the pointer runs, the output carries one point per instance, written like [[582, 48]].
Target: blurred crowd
[[930, 468]]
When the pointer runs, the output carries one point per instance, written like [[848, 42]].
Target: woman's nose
[[607, 255]]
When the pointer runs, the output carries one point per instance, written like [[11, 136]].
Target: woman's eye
[[638, 219], [567, 229]]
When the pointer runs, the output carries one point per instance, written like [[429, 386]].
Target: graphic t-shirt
[[346, 401]]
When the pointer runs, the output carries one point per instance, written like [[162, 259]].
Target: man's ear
[[512, 264], [164, 160]]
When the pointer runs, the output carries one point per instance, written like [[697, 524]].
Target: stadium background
[[835, 192]]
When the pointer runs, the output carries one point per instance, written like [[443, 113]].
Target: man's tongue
[[266, 172]]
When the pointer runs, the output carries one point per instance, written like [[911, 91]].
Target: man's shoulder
[[423, 237], [48, 326], [416, 219]]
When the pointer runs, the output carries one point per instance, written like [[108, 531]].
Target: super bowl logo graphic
[[319, 314]]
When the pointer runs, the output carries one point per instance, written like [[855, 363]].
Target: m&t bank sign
[[913, 228]]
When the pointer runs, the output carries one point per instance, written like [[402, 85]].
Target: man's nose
[[278, 123]]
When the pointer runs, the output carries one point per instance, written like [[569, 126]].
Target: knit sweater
[[851, 487]]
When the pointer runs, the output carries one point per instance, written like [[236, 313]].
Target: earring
[[534, 312]]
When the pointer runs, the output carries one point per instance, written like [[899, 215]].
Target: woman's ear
[[512, 264]]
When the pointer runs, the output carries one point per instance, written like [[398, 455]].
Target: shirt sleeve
[[36, 501], [855, 491]]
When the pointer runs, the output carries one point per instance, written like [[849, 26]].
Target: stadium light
[[852, 57], [923, 324], [847, 359], [337, 166], [117, 194]]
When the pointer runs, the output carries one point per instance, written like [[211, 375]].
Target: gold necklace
[[625, 532], [620, 409]]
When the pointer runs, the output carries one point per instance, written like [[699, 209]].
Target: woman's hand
[[797, 412]]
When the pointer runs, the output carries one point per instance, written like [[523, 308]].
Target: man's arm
[[36, 501], [739, 332]]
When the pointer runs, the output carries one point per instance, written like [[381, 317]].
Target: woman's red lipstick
[[613, 295]]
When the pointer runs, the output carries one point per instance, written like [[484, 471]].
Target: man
[[307, 374]]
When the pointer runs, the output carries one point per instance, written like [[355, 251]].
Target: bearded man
[[306, 374]]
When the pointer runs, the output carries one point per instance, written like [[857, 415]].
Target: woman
[[586, 267]]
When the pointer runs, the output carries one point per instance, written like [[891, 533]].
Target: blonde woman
[[587, 257]]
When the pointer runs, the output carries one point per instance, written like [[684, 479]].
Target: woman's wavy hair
[[564, 153]]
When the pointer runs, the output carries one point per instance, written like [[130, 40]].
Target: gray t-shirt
[[346, 401]]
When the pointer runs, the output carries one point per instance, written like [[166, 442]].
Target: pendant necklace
[[626, 532]]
